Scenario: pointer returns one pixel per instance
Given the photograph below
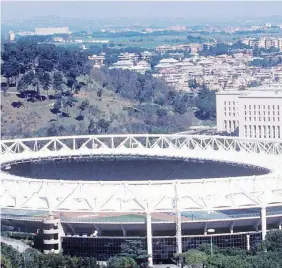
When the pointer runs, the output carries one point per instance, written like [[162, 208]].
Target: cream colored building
[[256, 113]]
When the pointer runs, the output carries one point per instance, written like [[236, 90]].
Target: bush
[[121, 262]]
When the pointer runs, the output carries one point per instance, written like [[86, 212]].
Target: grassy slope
[[32, 119], [34, 116]]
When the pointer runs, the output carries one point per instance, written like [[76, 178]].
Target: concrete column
[[178, 232], [231, 228], [123, 230], [178, 221], [149, 239], [248, 242], [263, 222]]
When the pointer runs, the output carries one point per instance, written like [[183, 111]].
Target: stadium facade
[[169, 216]]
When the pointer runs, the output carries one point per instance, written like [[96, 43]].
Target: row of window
[[230, 125], [262, 131], [269, 107], [264, 113], [163, 248], [231, 114], [231, 103], [262, 119]]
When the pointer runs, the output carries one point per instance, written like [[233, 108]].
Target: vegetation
[[133, 255], [121, 262], [266, 62], [53, 91], [223, 48], [267, 255], [11, 258], [135, 250], [206, 105]]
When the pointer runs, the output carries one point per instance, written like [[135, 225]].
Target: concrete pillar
[[123, 230], [178, 232], [231, 228], [149, 239], [248, 242], [263, 222]]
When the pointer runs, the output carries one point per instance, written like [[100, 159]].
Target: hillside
[[49, 90], [109, 113]]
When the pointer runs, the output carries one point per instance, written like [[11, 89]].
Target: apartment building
[[256, 113], [97, 60], [264, 42]]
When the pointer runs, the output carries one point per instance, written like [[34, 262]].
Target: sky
[[108, 9]]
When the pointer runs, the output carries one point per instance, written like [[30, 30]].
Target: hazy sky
[[145, 9]]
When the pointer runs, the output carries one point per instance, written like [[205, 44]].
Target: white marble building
[[256, 113]]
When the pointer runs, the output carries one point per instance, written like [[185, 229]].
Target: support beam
[[231, 228], [178, 221], [178, 232], [123, 230], [97, 230], [206, 229], [257, 224], [248, 242], [149, 239], [280, 225], [263, 222]]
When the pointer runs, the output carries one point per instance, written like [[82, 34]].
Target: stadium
[[88, 194]]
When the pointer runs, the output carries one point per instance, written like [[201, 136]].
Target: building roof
[[169, 60]]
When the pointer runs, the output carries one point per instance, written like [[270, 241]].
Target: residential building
[[128, 56], [12, 36], [98, 60]]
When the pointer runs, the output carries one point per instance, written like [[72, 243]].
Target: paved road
[[16, 244]]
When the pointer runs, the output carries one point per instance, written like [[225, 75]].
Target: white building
[[12, 36], [51, 31], [256, 113]]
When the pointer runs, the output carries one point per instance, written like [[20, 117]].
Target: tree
[[92, 127], [135, 250], [206, 104], [68, 102], [46, 81], [45, 65], [83, 106], [103, 125], [195, 258], [273, 240], [11, 69], [53, 130], [160, 99], [121, 262], [179, 106], [99, 92], [58, 81]]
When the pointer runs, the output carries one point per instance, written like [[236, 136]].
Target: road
[[16, 244]]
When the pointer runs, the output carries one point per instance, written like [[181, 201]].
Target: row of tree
[[265, 255], [27, 55], [142, 88], [132, 255]]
